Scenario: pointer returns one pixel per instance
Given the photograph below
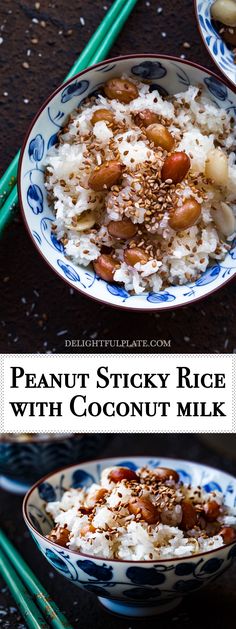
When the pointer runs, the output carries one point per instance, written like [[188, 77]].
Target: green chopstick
[[52, 614], [9, 177], [23, 598]]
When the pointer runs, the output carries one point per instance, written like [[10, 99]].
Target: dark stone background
[[212, 607], [38, 310]]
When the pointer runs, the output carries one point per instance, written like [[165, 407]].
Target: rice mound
[[175, 257], [98, 521]]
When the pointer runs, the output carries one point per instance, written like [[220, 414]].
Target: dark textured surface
[[210, 608], [38, 311]]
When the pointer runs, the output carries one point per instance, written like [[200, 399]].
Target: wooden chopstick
[[17, 575], [103, 38]]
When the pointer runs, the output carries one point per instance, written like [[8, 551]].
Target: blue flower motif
[[57, 561], [212, 565], [101, 573], [209, 276], [36, 525], [212, 486], [56, 243], [80, 478], [69, 271], [184, 476], [162, 91], [96, 589], [47, 492], [118, 291], [149, 70], [74, 89], [128, 464], [183, 569], [216, 88], [186, 586], [145, 576], [35, 198], [157, 298], [52, 140], [36, 148], [140, 594]]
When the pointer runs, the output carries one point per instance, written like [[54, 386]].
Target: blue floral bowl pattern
[[220, 52], [168, 75], [131, 588]]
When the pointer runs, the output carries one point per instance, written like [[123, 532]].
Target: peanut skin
[[132, 256], [186, 215], [164, 473], [106, 175], [121, 89], [123, 473], [122, 229], [211, 510], [145, 118], [146, 508], [105, 267], [175, 167], [228, 533], [189, 515]]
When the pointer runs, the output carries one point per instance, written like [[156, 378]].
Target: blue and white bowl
[[139, 588], [22, 462], [220, 52], [169, 75]]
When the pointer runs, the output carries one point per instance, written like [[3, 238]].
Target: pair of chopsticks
[[34, 603], [96, 50]]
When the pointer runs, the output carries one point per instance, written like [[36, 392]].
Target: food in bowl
[[144, 186], [223, 12], [147, 514]]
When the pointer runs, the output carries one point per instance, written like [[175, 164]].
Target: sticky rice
[[147, 514], [83, 215]]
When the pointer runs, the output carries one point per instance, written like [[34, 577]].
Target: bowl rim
[[127, 308], [227, 79], [125, 561]]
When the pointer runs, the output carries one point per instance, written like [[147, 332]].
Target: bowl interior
[[169, 76], [83, 475], [218, 49]]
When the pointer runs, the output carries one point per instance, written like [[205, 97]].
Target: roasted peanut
[[224, 218], [106, 175], [122, 473], [145, 118], [189, 515], [175, 167], [121, 89], [102, 114], [105, 266], [160, 136], [211, 510], [216, 167], [132, 256], [164, 473], [87, 528], [228, 534], [224, 11], [98, 495], [186, 215], [59, 535], [145, 508], [86, 220], [122, 229]]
